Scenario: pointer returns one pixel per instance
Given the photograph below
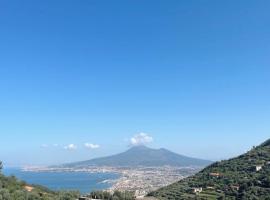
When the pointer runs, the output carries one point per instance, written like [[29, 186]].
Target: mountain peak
[[139, 147], [144, 156]]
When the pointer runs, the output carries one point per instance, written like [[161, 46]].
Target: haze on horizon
[[85, 79]]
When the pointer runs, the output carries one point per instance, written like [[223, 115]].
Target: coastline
[[84, 182], [140, 180]]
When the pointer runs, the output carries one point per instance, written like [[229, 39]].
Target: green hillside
[[14, 189], [244, 177]]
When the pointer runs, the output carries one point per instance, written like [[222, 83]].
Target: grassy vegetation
[[236, 178]]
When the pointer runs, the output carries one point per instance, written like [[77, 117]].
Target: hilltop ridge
[[266, 143]]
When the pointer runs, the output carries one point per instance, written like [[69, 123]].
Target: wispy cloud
[[44, 145], [140, 139], [71, 147], [91, 146]]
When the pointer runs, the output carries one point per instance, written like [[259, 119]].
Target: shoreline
[[140, 180]]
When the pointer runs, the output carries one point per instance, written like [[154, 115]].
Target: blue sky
[[194, 76]]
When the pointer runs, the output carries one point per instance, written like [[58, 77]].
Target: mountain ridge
[[142, 156]]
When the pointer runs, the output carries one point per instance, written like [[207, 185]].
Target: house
[[235, 187], [258, 167], [197, 190], [84, 198], [28, 188], [214, 174]]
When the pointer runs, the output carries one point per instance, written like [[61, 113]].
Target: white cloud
[[140, 139], [91, 146], [70, 147]]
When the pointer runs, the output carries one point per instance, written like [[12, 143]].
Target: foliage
[[117, 195], [236, 178]]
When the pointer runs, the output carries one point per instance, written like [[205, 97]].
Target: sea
[[80, 181]]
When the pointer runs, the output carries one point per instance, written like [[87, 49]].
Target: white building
[[197, 190], [258, 167]]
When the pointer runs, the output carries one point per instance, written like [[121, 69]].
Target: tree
[[4, 194], [1, 166]]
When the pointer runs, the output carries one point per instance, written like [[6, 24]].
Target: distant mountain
[[244, 177], [143, 156]]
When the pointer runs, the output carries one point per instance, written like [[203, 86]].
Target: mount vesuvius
[[143, 156]]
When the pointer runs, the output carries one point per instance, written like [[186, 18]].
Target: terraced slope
[[244, 177]]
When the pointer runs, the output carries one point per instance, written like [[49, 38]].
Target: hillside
[[143, 156], [244, 177]]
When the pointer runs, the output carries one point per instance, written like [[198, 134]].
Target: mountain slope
[[244, 177], [143, 156]]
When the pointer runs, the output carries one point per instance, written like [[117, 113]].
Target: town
[[140, 180]]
